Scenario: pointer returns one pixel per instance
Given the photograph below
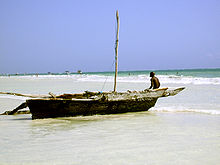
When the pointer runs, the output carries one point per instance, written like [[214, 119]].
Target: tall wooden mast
[[116, 51]]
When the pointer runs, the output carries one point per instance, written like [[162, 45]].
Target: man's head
[[152, 74]]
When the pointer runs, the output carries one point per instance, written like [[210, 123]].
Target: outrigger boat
[[92, 103]]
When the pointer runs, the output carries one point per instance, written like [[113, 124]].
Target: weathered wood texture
[[116, 51], [25, 95], [15, 111], [42, 108], [91, 103]]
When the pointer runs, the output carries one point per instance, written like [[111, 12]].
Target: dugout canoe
[[85, 104]]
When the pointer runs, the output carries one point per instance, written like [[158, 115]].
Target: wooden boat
[[92, 103], [97, 103]]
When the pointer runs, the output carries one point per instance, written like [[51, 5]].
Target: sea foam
[[166, 79], [184, 109]]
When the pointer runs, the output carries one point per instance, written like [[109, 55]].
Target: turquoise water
[[208, 73], [205, 73]]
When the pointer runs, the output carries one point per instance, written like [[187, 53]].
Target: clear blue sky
[[58, 35]]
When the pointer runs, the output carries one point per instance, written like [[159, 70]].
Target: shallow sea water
[[184, 129]]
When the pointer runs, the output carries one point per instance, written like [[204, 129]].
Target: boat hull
[[51, 108]]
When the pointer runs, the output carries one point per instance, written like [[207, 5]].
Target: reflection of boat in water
[[91, 103]]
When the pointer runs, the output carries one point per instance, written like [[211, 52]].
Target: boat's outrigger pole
[[116, 51]]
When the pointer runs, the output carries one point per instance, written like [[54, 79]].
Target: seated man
[[154, 81]]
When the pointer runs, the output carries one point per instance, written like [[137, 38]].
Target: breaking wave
[[166, 79], [176, 110]]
